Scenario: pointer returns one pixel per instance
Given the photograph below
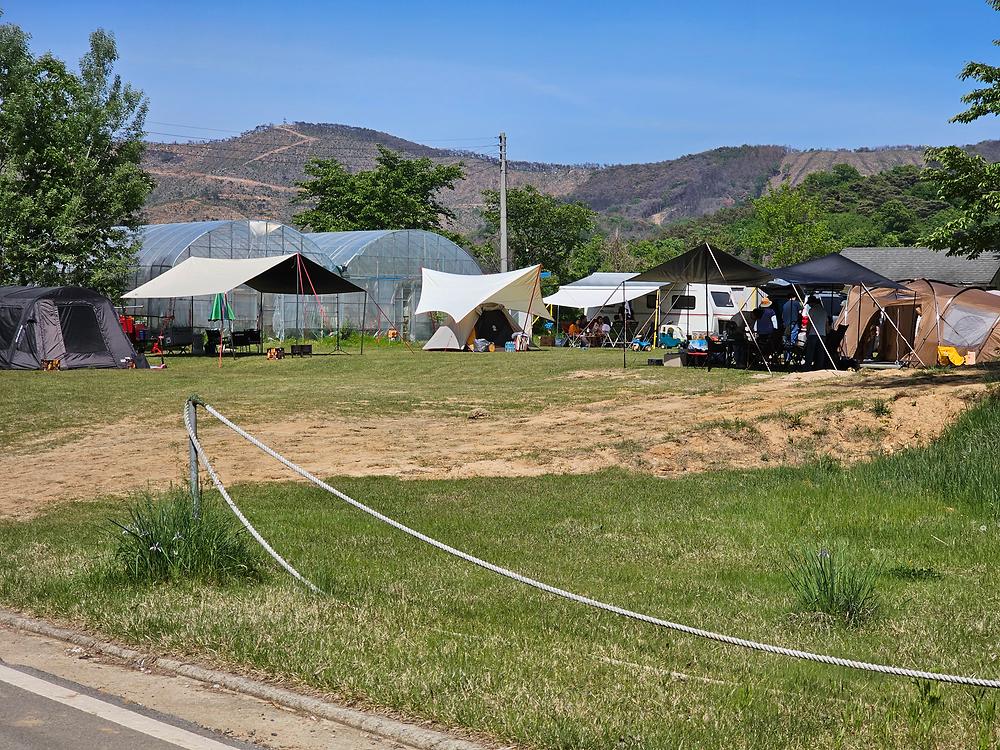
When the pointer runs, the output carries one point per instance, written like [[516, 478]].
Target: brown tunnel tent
[[908, 325], [76, 326]]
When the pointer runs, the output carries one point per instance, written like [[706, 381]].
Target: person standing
[[819, 325], [768, 336]]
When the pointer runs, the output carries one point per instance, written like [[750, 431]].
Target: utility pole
[[503, 203]]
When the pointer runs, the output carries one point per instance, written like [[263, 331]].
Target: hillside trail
[[223, 178], [784, 420], [303, 141]]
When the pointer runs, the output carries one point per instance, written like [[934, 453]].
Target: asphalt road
[[39, 711]]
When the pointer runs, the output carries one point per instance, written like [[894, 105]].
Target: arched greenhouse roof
[[420, 247], [165, 245]]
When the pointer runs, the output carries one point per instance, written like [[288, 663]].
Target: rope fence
[[539, 585]]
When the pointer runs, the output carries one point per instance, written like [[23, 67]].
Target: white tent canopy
[[458, 294], [600, 289], [478, 304], [195, 277]]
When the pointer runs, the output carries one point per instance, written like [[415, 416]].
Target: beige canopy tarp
[[477, 305], [927, 314]]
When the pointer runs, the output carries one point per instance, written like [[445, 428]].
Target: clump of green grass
[[880, 407], [828, 582], [161, 540], [736, 425]]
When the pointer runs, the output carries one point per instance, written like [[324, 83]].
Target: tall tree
[[399, 193], [968, 180], [71, 185], [786, 227], [541, 228]]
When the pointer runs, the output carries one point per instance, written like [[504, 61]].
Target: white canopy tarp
[[201, 276], [600, 289], [458, 294]]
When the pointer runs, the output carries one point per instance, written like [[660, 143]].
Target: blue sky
[[568, 82]]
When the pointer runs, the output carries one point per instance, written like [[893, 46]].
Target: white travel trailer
[[683, 307], [697, 311]]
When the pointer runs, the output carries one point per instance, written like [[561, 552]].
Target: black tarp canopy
[[705, 264], [833, 270]]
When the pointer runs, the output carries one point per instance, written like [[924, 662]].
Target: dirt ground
[[787, 419]]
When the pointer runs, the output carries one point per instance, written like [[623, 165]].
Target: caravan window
[[651, 300], [80, 329], [722, 299], [682, 302]]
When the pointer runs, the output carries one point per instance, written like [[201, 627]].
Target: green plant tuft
[[162, 541], [827, 582], [880, 407]]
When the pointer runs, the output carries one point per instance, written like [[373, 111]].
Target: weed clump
[[828, 582], [161, 540]]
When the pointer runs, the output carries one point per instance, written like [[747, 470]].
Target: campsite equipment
[[477, 306], [706, 265], [221, 309], [908, 325], [77, 327], [948, 355]]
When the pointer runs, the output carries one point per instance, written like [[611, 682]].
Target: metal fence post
[[192, 410]]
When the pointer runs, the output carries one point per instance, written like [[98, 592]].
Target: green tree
[[968, 180], [786, 227], [541, 228], [71, 185], [399, 193]]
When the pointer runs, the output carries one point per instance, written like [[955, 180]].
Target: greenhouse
[[387, 263], [166, 245]]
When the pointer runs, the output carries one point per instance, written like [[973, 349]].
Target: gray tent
[[78, 327]]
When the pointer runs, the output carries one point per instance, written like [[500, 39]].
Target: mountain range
[[254, 174]]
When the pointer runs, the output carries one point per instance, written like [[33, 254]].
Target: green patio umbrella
[[217, 310]]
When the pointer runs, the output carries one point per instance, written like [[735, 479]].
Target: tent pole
[[364, 317], [858, 344], [706, 299], [625, 323]]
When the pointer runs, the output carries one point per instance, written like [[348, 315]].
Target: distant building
[[900, 263]]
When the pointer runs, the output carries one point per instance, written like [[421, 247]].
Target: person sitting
[[606, 331]]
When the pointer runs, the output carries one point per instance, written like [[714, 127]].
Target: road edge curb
[[392, 729]]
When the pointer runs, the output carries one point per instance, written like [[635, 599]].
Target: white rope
[[721, 638], [236, 511]]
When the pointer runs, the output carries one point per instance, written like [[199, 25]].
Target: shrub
[[828, 582], [161, 540]]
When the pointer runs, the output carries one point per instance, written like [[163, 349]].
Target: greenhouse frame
[[385, 263]]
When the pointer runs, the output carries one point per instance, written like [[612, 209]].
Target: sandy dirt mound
[[787, 419]]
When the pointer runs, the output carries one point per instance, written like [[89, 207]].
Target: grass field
[[385, 381], [409, 629]]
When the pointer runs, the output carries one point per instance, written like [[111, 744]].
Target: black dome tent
[[76, 326]]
